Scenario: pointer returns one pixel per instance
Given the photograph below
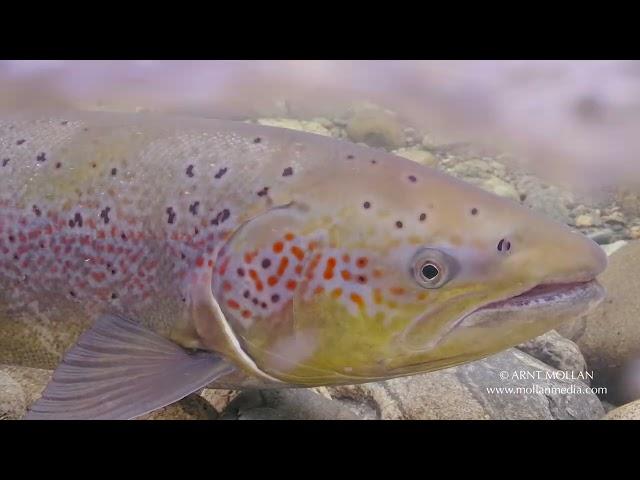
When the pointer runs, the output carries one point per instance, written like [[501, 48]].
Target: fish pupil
[[430, 271]]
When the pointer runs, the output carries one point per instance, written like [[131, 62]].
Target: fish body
[[289, 258]]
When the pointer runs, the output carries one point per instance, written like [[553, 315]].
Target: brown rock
[[630, 411]]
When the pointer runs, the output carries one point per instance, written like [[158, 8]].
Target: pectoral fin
[[120, 370]]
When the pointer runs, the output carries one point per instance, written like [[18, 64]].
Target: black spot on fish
[[193, 208], [58, 165], [64, 122], [12, 238], [240, 272], [190, 171], [255, 301], [474, 211], [183, 256], [104, 214], [350, 157], [5, 161], [220, 173], [113, 272], [246, 294], [275, 298], [263, 192], [423, 217], [399, 224], [172, 215], [37, 211], [20, 142], [72, 293], [15, 257], [373, 162], [266, 263], [287, 172], [114, 296], [257, 140], [77, 220], [42, 245], [123, 236], [94, 165], [221, 217], [114, 171], [366, 205], [41, 157], [412, 178], [263, 305]]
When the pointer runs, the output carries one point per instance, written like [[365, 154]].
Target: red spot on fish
[[256, 279], [346, 258], [361, 262], [246, 314], [199, 262], [289, 236], [272, 280], [298, 269], [291, 284], [98, 276], [297, 252], [277, 247], [233, 304], [346, 275]]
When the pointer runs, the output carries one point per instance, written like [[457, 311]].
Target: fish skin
[[74, 183]]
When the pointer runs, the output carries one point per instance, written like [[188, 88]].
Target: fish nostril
[[504, 245]]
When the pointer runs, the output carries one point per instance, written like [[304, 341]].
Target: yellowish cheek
[[327, 343]]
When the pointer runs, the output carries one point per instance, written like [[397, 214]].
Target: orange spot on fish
[[277, 247], [199, 262], [346, 258], [291, 284], [346, 275], [289, 236], [318, 290], [226, 286], [336, 292], [377, 273], [423, 295], [246, 314], [298, 269], [223, 266], [377, 296], [233, 304], [249, 256], [284, 263], [328, 272], [397, 290], [256, 279], [357, 299], [272, 280], [362, 262], [297, 252]]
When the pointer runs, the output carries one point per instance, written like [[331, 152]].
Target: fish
[[203, 252]]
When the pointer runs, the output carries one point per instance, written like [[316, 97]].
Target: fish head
[[391, 268]]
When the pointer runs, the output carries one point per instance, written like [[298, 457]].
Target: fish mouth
[[550, 294]]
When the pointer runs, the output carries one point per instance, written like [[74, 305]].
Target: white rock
[[293, 124]]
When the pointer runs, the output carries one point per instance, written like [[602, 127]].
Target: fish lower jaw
[[548, 295]]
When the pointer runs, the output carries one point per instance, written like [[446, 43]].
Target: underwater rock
[[611, 248], [486, 175], [463, 392], [376, 128], [309, 126], [586, 220], [418, 156], [602, 237], [12, 399], [610, 335], [634, 232], [193, 407], [219, 398], [287, 404], [544, 198], [630, 411], [556, 351]]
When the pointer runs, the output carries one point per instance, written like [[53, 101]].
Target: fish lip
[[548, 294]]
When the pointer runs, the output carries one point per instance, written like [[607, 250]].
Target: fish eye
[[432, 268]]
